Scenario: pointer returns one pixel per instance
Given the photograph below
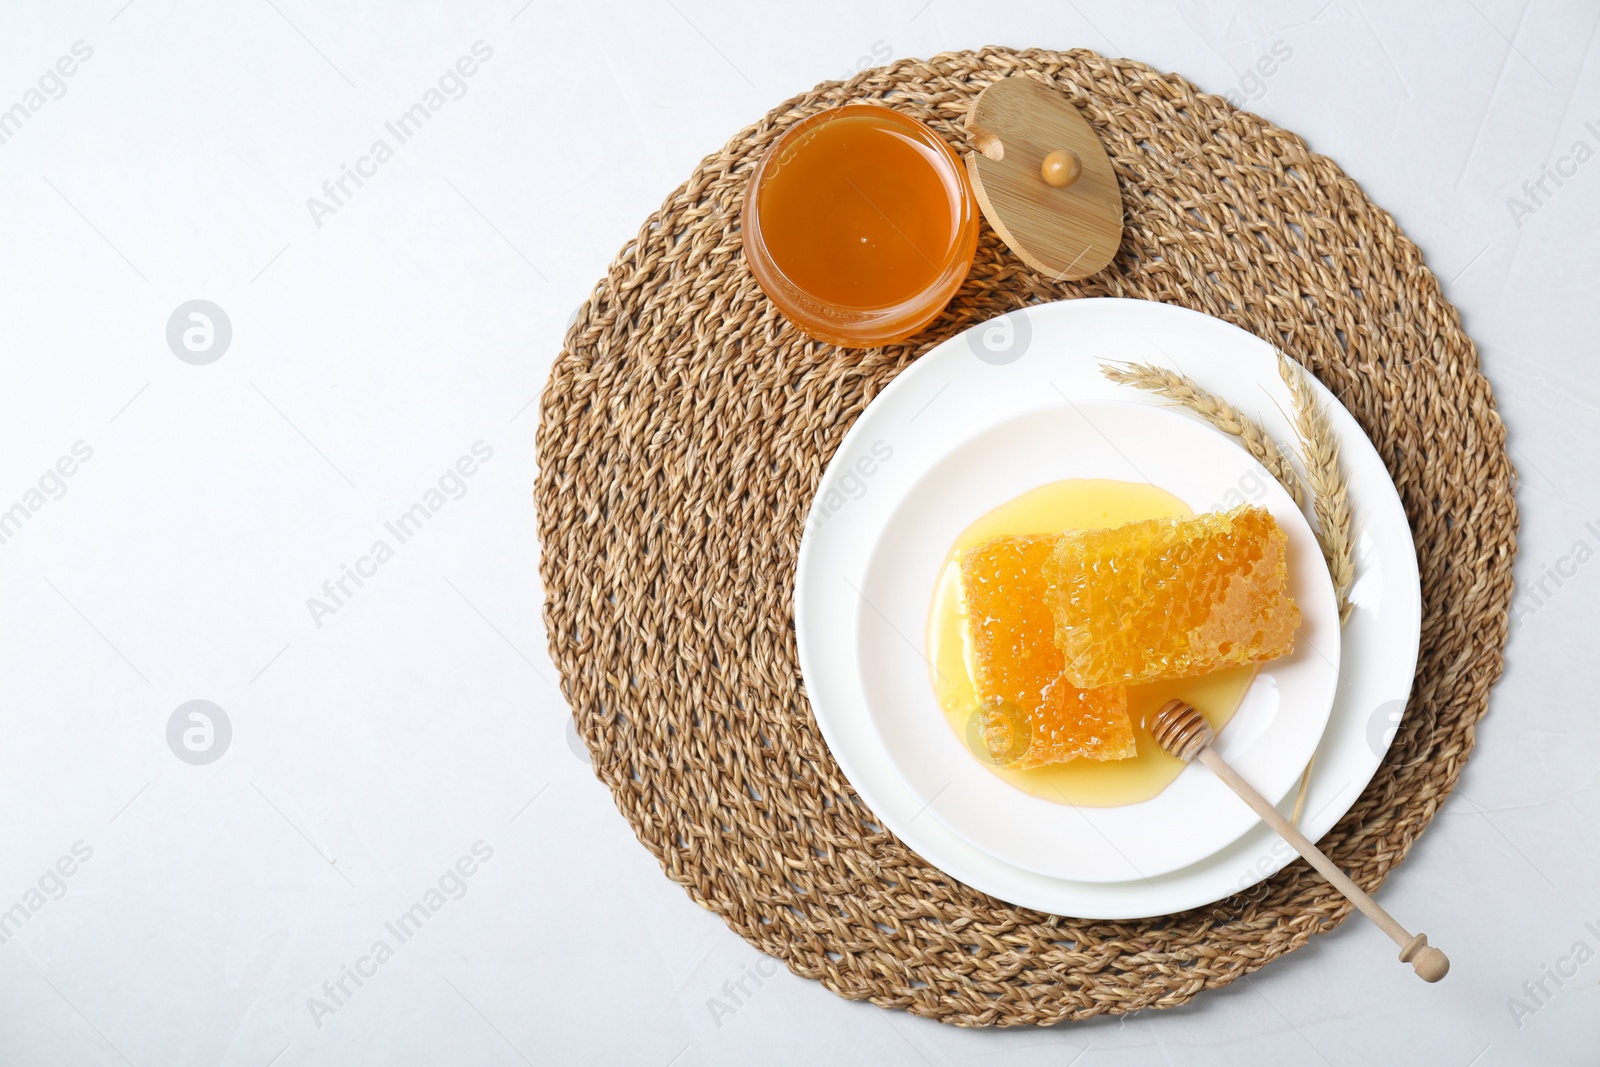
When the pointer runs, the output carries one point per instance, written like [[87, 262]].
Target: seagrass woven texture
[[685, 426]]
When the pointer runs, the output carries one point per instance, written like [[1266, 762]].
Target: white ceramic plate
[[1268, 741], [988, 376]]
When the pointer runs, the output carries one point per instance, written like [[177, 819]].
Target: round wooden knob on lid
[[1061, 168], [1043, 178]]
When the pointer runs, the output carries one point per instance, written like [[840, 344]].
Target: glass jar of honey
[[860, 224]]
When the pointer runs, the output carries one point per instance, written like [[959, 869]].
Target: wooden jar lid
[[1043, 179]]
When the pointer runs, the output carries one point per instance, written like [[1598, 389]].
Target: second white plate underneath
[[993, 372]]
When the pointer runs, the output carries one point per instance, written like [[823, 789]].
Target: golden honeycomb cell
[[1171, 597], [1018, 663]]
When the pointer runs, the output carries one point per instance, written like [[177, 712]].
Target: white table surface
[[373, 345]]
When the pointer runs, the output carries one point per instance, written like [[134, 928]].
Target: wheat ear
[[1215, 410], [1319, 451]]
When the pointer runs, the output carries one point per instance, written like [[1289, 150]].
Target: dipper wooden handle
[[1184, 733]]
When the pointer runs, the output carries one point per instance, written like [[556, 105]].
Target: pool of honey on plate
[[1079, 504]]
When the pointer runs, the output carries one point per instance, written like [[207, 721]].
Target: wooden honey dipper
[[1184, 733]]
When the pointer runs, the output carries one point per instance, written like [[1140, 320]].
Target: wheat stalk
[[1215, 410], [1319, 451]]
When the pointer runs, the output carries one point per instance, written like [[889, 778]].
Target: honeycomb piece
[[1171, 597], [1013, 634]]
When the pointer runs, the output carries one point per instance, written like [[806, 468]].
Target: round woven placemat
[[686, 424]]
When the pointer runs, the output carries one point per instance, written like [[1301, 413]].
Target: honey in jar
[[860, 225]]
